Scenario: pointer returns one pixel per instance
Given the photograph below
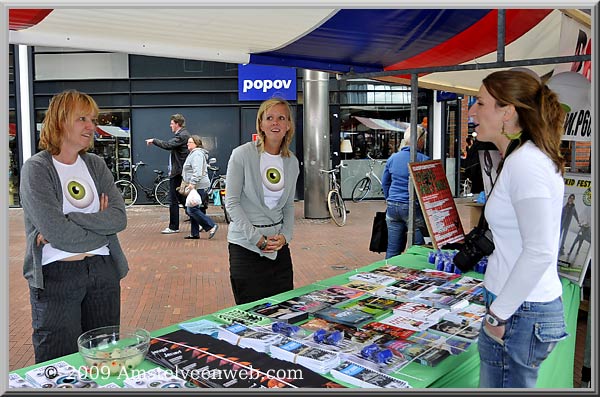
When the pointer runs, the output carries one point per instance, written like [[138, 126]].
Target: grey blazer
[[245, 201], [42, 202]]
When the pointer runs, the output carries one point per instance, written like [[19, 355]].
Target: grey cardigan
[[42, 202], [245, 201]]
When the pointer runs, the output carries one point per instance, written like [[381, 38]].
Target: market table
[[459, 371]]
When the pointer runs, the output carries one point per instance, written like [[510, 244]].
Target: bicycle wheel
[[361, 189], [337, 208], [161, 193], [128, 192], [214, 187]]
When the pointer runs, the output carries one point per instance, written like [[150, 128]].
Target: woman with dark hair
[[524, 319], [194, 173], [261, 183]]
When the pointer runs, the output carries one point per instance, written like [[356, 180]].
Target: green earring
[[512, 137]]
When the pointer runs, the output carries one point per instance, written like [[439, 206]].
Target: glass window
[[59, 64]]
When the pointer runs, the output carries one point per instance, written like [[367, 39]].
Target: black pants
[[174, 200], [78, 296], [255, 277]]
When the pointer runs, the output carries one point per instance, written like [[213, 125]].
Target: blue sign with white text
[[258, 82]]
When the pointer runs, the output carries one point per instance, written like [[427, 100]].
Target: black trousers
[[255, 277], [78, 296], [175, 199]]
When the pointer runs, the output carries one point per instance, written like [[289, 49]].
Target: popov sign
[[257, 82]]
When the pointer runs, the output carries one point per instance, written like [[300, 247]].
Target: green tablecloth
[[461, 371]]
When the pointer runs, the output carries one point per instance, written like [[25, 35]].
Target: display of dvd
[[393, 331], [210, 362], [362, 286], [311, 357], [395, 293], [241, 317], [397, 272], [279, 312], [456, 330], [403, 321], [361, 376], [420, 311], [353, 318], [373, 278], [470, 315], [243, 336]]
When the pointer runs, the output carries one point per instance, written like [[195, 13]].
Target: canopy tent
[[379, 124], [335, 40]]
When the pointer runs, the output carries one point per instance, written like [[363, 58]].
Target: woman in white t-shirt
[[524, 320], [261, 183]]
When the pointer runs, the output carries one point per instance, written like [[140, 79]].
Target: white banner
[[572, 81]]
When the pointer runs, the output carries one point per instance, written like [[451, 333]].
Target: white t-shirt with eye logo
[[271, 171], [79, 195]]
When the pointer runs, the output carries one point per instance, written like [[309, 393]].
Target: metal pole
[[501, 35], [414, 99], [316, 143]]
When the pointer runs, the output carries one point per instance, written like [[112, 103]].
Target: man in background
[[179, 151]]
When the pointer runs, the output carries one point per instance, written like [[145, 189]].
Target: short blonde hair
[[285, 145], [421, 134], [60, 114]]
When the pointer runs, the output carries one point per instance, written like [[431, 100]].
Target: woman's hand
[[275, 243], [497, 332], [40, 240], [103, 201]]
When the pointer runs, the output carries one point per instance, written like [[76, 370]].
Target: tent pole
[[501, 35], [414, 99]]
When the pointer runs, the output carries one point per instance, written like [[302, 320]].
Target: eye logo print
[[79, 193], [273, 179]]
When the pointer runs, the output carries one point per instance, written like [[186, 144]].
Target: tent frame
[[414, 85]]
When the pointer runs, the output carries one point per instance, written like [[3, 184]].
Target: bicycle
[[335, 203], [217, 183], [159, 192], [364, 185]]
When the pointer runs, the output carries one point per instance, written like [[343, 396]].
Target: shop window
[[112, 140], [13, 161]]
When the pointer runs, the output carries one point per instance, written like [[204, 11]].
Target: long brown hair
[[541, 116], [287, 140], [60, 114]]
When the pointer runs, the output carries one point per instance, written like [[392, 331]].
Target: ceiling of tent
[[335, 40]]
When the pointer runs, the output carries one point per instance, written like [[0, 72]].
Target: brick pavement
[[172, 279]]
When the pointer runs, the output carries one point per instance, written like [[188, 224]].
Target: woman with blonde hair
[[261, 183], [73, 212]]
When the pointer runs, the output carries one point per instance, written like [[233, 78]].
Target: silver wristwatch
[[493, 320]]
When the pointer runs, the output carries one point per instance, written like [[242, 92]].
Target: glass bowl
[[114, 348]]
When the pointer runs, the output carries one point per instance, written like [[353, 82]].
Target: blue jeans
[[396, 218], [198, 215], [529, 337]]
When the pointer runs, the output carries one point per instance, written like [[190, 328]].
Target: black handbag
[[379, 234]]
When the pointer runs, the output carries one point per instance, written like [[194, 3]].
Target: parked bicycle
[[158, 192], [363, 186], [335, 203], [217, 184]]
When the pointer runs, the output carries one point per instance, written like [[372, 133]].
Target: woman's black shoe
[[192, 237]]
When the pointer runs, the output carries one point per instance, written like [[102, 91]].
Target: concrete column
[[316, 143]]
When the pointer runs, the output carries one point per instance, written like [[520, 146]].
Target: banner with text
[[258, 82]]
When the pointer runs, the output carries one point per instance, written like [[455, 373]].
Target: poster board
[[437, 202], [575, 251]]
